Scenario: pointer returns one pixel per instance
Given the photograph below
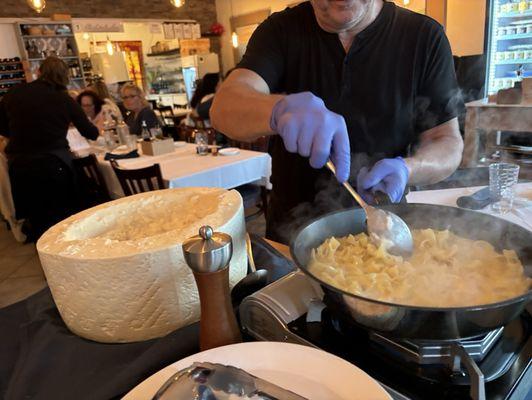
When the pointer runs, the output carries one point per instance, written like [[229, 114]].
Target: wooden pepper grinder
[[208, 255]]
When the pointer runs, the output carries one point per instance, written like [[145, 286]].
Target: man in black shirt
[[35, 118], [366, 83]]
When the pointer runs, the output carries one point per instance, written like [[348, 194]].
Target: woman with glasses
[[138, 108]]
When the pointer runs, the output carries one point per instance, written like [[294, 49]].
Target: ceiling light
[[406, 2], [37, 5], [177, 3], [234, 39], [86, 36]]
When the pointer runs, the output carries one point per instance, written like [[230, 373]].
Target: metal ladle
[[382, 225], [252, 282]]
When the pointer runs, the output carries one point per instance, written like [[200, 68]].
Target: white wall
[[465, 26], [240, 7], [8, 40], [139, 31], [414, 5]]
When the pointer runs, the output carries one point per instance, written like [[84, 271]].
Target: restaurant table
[[40, 359], [483, 117], [521, 213], [184, 168]]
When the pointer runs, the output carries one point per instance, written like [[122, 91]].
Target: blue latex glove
[[308, 128], [389, 175]]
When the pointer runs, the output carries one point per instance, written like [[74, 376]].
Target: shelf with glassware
[[164, 78], [39, 40], [509, 43]]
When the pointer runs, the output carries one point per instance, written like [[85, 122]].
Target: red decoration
[[217, 29]]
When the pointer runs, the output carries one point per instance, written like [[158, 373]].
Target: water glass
[[202, 142], [131, 142], [156, 132], [503, 177]]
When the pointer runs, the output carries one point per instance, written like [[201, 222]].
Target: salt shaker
[[208, 255]]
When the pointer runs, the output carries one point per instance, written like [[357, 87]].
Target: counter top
[[485, 103]]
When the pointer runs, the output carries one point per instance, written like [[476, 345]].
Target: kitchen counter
[[483, 117], [521, 213]]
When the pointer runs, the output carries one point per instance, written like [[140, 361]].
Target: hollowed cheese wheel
[[117, 271]]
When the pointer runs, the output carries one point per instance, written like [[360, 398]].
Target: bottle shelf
[[513, 14], [508, 62], [15, 71], [47, 36], [61, 57], [12, 80], [513, 37]]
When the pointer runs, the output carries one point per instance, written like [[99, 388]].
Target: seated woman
[[92, 105], [139, 109], [110, 109], [35, 117]]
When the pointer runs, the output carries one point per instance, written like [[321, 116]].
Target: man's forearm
[[438, 155], [241, 110]]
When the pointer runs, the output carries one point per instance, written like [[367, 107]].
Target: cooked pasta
[[445, 270]]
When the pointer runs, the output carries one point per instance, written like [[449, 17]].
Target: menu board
[[169, 31]]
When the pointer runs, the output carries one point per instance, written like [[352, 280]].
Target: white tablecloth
[[521, 213], [185, 168]]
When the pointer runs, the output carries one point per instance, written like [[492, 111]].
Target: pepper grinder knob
[[208, 255], [205, 232], [209, 251]]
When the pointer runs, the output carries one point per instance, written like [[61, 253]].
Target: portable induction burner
[[495, 366]]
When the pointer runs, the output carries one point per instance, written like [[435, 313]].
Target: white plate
[[307, 371], [229, 151], [180, 143]]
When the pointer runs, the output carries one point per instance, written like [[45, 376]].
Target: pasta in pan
[[445, 270]]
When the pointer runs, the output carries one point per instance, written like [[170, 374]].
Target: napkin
[[121, 155]]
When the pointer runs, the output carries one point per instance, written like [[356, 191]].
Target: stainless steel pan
[[422, 323]]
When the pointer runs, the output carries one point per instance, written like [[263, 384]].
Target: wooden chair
[[199, 123], [93, 187], [134, 181], [261, 144], [167, 115], [189, 133]]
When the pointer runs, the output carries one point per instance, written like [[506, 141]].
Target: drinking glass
[[202, 142], [130, 142], [503, 177], [156, 132]]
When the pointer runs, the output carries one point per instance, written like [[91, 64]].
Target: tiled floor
[[21, 274]]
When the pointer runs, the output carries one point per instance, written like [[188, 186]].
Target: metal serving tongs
[[383, 226]]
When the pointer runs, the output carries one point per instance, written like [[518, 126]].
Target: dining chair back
[[189, 133], [261, 144], [134, 181], [92, 184]]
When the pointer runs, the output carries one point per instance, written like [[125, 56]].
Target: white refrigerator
[[112, 68]]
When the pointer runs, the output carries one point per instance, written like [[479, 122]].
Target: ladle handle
[[349, 188], [249, 250]]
